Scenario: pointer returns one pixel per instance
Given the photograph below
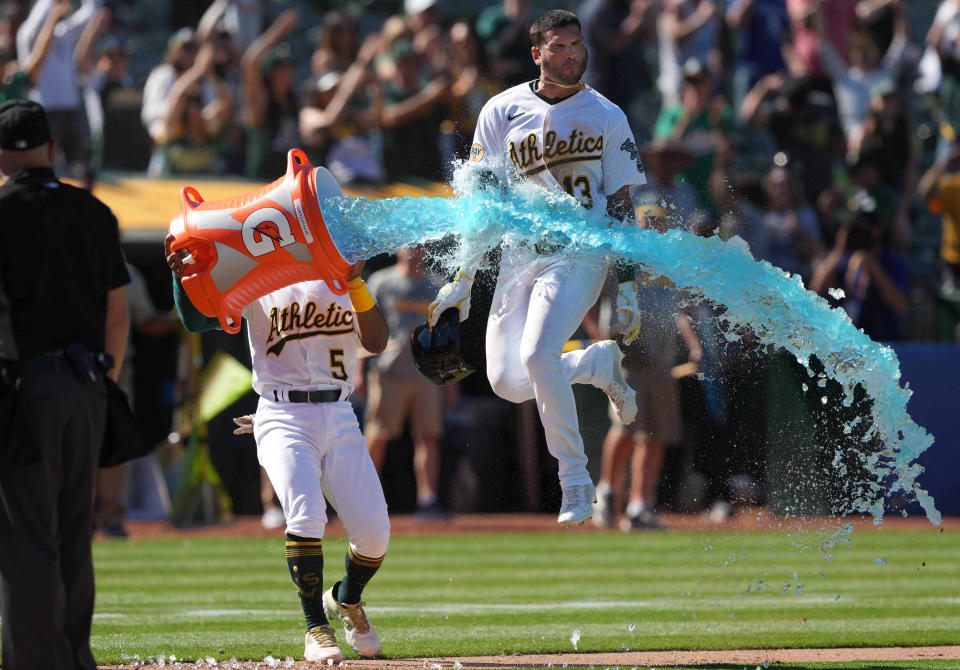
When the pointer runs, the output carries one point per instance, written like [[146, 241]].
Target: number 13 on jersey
[[579, 187]]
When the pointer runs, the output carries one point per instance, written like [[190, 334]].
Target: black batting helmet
[[436, 351]]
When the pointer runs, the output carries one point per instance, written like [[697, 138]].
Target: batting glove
[[244, 424], [455, 294], [628, 312]]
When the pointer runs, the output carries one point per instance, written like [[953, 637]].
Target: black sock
[[359, 571], [305, 561]]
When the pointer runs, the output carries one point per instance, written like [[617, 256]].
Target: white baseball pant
[[314, 452], [539, 302]]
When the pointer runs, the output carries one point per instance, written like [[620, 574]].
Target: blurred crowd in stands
[[821, 132]]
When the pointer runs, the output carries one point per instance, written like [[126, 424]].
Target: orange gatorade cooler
[[258, 242]]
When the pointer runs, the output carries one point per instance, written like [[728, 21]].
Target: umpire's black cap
[[23, 125]]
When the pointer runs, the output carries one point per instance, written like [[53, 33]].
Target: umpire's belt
[[323, 395], [52, 360]]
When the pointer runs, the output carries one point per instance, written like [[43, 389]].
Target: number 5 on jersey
[[337, 369]]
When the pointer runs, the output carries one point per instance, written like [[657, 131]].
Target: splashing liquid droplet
[[773, 305]]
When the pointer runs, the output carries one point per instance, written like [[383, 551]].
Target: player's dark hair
[[551, 20]]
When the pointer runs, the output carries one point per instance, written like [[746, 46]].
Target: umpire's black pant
[[46, 566]]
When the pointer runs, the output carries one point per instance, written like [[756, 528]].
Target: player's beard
[[556, 73]]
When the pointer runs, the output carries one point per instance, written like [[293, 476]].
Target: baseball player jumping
[[557, 130], [303, 344]]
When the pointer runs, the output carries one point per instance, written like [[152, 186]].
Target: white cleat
[[623, 397], [320, 644], [577, 505], [361, 635]]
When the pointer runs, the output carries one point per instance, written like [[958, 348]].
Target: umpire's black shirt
[[59, 257]]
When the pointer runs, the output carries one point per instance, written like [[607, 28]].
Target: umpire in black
[[62, 271]]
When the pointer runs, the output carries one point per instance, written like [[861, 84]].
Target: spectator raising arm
[[682, 28], [69, 28], [208, 22], [215, 113], [635, 24], [893, 58], [417, 105], [832, 61], [750, 108], [256, 96], [41, 48], [852, 83], [83, 53], [314, 120], [944, 17]]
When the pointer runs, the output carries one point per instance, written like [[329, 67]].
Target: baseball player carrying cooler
[[303, 344], [567, 135]]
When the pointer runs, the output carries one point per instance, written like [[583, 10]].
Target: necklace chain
[[579, 85]]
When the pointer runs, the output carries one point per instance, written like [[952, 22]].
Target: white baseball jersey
[[581, 144], [302, 338]]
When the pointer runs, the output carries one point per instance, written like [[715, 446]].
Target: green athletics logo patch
[[631, 149]]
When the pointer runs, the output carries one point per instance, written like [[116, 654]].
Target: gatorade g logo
[[265, 230]]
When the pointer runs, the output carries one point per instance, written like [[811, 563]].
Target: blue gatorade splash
[[759, 298]]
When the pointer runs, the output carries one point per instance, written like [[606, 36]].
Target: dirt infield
[[524, 523], [629, 659], [645, 659]]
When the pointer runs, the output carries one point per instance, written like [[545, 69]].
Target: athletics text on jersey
[[581, 144], [302, 337]]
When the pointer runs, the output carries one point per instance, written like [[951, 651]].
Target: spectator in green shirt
[[702, 121]]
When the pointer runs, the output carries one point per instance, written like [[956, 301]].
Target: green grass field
[[489, 594]]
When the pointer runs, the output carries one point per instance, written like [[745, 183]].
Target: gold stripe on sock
[[365, 561], [298, 543], [304, 552]]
